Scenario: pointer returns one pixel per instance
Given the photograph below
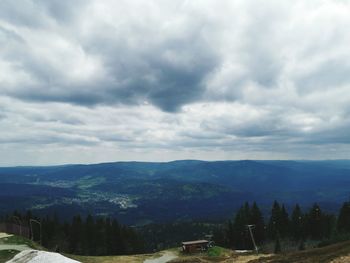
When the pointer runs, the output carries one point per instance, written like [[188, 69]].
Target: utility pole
[[250, 227], [19, 223], [31, 229]]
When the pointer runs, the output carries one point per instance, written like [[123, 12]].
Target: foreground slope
[[337, 253]]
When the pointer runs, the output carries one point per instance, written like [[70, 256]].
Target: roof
[[195, 242]]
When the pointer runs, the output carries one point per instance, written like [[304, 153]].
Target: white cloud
[[152, 80]]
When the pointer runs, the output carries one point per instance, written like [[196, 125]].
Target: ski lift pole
[[31, 226], [252, 236]]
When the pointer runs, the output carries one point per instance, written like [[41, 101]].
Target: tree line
[[313, 224], [83, 236]]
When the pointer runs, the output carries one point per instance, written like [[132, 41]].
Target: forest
[[279, 232], [83, 236], [297, 229]]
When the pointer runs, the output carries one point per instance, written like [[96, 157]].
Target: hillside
[[140, 192], [337, 253]]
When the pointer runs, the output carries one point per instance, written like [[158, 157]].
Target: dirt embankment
[[337, 253]]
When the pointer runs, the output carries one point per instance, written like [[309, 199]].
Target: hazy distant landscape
[[139, 193]]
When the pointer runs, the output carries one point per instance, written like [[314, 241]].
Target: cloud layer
[[94, 81]]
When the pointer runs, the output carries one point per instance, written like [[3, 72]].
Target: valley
[[139, 193]]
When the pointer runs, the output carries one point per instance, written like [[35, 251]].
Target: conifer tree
[[297, 223], [257, 219], [277, 244], [283, 224], [274, 222], [315, 223], [89, 236], [241, 238], [343, 223], [76, 231]]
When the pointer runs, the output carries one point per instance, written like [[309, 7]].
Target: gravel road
[[166, 257]]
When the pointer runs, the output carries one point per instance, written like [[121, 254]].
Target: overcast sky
[[92, 81]]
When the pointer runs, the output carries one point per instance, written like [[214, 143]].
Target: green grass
[[6, 255], [215, 251], [18, 240]]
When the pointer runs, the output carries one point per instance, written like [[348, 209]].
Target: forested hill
[[142, 192]]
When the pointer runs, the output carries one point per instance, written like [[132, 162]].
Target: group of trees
[[237, 232], [299, 226], [89, 236], [105, 236]]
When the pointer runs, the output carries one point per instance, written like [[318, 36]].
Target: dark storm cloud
[[167, 72]]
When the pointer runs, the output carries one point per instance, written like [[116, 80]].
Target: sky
[[88, 81]]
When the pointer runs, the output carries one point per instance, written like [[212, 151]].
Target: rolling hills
[[143, 192]]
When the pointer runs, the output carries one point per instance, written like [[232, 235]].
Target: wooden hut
[[195, 246]]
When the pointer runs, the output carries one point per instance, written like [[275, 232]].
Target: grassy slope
[[15, 240], [325, 254], [7, 254], [320, 255]]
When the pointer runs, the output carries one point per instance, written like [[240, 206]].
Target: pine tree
[[277, 244], [230, 234], [257, 219], [109, 236], [297, 223], [343, 223], [89, 236], [315, 222], [274, 222], [241, 237], [76, 236], [283, 224]]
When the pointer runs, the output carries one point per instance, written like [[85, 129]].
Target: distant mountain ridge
[[141, 192]]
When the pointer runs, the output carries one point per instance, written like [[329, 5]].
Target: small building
[[195, 246]]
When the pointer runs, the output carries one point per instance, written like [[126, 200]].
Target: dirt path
[[246, 258], [166, 257], [343, 259], [14, 247]]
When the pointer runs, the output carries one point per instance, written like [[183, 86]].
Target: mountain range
[[139, 193]]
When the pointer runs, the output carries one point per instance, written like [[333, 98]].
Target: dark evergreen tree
[[230, 240], [257, 219], [241, 238], [277, 248], [284, 223], [275, 220], [315, 224], [343, 223], [297, 224], [89, 236], [76, 234]]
